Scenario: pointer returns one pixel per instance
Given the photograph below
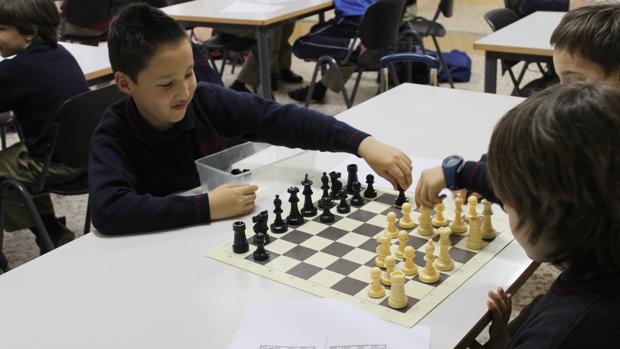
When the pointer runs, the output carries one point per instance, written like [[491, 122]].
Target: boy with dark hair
[[586, 46], [554, 162], [33, 84], [143, 150]]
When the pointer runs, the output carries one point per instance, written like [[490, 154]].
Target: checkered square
[[337, 249]]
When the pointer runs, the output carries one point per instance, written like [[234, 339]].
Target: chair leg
[[443, 62], [4, 263], [224, 58], [3, 136], [315, 74], [87, 219], [360, 71]]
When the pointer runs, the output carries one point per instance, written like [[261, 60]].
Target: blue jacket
[[135, 169], [347, 8]]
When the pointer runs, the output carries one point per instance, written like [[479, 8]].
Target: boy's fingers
[[249, 189]]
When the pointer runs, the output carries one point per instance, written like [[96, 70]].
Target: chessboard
[[335, 259]]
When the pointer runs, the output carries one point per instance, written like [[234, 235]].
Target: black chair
[[434, 29], [71, 135], [378, 32], [387, 62], [498, 19], [227, 44], [7, 119]]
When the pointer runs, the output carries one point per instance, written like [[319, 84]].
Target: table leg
[[490, 72], [263, 63]]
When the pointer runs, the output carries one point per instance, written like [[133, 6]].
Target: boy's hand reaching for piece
[[388, 162], [232, 200], [500, 306], [432, 181]]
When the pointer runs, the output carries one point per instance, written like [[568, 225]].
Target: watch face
[[452, 161]]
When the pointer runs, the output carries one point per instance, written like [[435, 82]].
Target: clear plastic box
[[267, 165]]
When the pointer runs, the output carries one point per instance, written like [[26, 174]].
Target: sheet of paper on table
[[322, 324], [250, 7]]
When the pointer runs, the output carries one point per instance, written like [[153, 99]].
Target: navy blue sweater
[[581, 310], [135, 170], [34, 84]]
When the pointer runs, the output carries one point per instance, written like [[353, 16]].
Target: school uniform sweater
[[135, 170], [474, 178], [34, 84], [579, 311]]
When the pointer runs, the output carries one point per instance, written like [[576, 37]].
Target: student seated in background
[[554, 162], [585, 47], [89, 18], [144, 148], [33, 84]]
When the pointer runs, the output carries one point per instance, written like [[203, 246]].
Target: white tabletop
[[245, 12], [158, 290], [529, 35]]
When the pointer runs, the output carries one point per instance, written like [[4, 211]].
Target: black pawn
[[352, 178], [240, 244], [370, 191], [325, 187], [260, 228], [343, 206], [260, 254], [326, 216], [278, 226], [294, 217], [336, 185], [309, 209], [401, 199], [357, 200]]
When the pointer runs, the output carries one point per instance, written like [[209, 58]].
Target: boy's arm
[[118, 209]]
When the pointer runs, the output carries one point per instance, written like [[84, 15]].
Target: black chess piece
[[260, 228], [357, 200], [343, 206], [326, 216], [240, 244], [260, 254], [325, 187], [336, 185], [401, 199], [370, 191], [278, 226], [309, 209], [294, 217], [352, 178]]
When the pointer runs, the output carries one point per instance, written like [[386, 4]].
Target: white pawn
[[390, 262], [474, 240], [429, 274], [458, 226], [391, 229], [398, 299], [375, 290], [472, 203], [444, 262], [410, 268], [403, 236], [406, 222], [488, 232], [439, 220], [383, 250], [425, 226]]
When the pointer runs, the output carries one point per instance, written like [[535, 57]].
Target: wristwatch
[[452, 166]]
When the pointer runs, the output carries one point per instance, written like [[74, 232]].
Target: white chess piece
[[474, 240], [391, 225], [472, 203], [403, 236], [383, 250], [425, 227], [409, 268], [390, 262], [406, 222], [458, 226], [439, 220], [444, 262], [397, 298], [429, 274], [375, 290], [488, 232]]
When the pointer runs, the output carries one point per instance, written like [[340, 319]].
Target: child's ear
[[122, 82]]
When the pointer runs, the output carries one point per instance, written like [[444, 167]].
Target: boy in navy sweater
[[33, 84], [143, 150], [554, 162], [586, 46]]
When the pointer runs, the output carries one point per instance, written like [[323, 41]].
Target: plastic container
[[267, 165]]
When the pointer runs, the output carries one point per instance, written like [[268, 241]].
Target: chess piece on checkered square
[[390, 262], [401, 198], [240, 243], [343, 206], [458, 226], [383, 250], [405, 221], [425, 226], [336, 185], [375, 290], [327, 216], [294, 217], [444, 262], [278, 226], [260, 254], [325, 187], [403, 236], [260, 228], [472, 203], [308, 210], [474, 240], [409, 268], [429, 274], [488, 232], [397, 298], [357, 200], [390, 229], [439, 220], [370, 191], [352, 177]]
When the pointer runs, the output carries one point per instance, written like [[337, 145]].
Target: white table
[[230, 14], [525, 39], [158, 290]]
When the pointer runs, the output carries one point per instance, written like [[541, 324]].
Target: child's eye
[[189, 75], [168, 84]]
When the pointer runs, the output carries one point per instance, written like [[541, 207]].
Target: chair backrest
[[76, 120], [500, 17], [379, 26], [446, 7]]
